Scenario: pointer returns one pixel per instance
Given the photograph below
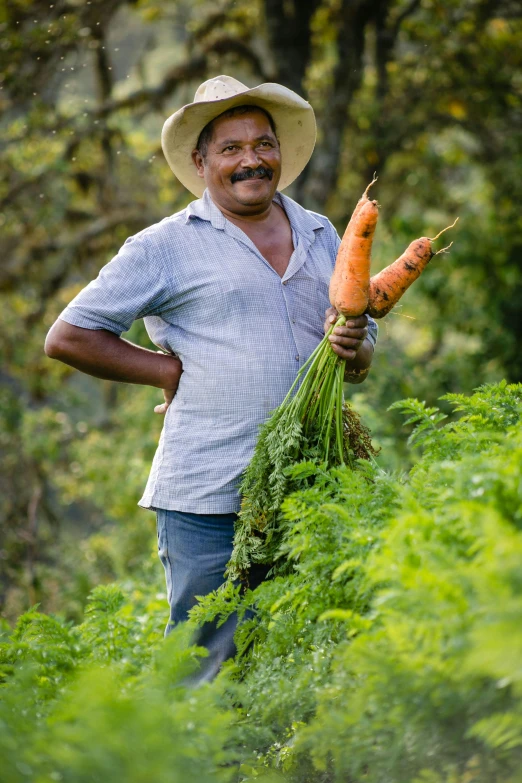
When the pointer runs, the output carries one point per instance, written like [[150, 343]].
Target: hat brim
[[293, 117]]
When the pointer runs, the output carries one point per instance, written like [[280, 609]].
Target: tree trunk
[[323, 171], [289, 35]]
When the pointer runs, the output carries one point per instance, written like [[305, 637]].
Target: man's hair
[[205, 137]]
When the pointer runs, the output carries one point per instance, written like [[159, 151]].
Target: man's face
[[242, 166]]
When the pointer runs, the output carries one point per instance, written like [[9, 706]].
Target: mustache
[[261, 171]]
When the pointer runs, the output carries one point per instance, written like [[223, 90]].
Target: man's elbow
[[57, 343], [52, 346]]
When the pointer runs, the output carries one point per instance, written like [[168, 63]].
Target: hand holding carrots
[[346, 340]]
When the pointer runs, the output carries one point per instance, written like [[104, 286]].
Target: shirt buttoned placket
[[302, 245], [297, 259]]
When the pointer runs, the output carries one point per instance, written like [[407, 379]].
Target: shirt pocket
[[310, 295]]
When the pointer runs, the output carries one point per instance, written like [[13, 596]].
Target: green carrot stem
[[316, 396], [339, 410], [326, 424], [314, 356]]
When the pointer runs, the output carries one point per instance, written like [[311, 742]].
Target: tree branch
[[104, 84], [67, 247], [408, 11], [195, 67], [213, 20], [20, 187], [227, 44]]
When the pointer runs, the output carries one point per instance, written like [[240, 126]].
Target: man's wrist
[[169, 371], [356, 376], [358, 368]]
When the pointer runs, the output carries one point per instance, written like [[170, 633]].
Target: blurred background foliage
[[427, 93]]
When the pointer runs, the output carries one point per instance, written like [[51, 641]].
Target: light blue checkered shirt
[[241, 331]]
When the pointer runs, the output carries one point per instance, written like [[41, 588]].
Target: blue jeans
[[194, 550]]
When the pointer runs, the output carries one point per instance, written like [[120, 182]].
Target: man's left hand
[[346, 340], [350, 343]]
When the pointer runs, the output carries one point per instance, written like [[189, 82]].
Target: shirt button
[[297, 358], [285, 282]]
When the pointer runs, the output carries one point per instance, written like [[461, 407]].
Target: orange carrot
[[387, 287], [362, 201], [351, 277]]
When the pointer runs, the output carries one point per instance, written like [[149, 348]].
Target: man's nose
[[250, 157]]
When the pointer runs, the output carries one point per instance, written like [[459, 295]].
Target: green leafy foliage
[[388, 651], [424, 418], [103, 700]]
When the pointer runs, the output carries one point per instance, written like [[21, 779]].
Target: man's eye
[[230, 147]]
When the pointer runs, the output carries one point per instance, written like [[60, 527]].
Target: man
[[233, 289]]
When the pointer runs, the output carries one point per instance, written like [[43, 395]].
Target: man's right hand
[[168, 395]]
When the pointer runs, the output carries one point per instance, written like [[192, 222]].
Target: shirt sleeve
[[373, 329], [134, 284]]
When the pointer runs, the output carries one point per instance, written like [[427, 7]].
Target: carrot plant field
[[387, 650]]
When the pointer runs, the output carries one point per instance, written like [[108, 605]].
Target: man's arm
[[351, 343], [103, 354]]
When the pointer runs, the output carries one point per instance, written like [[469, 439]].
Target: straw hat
[[293, 116]]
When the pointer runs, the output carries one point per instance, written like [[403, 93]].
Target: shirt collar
[[302, 221], [205, 209]]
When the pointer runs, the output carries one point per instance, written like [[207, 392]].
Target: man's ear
[[197, 157]]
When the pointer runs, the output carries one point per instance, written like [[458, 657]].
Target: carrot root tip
[[443, 230], [443, 249], [374, 180]]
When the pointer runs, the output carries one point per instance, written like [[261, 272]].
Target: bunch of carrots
[[314, 426]]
